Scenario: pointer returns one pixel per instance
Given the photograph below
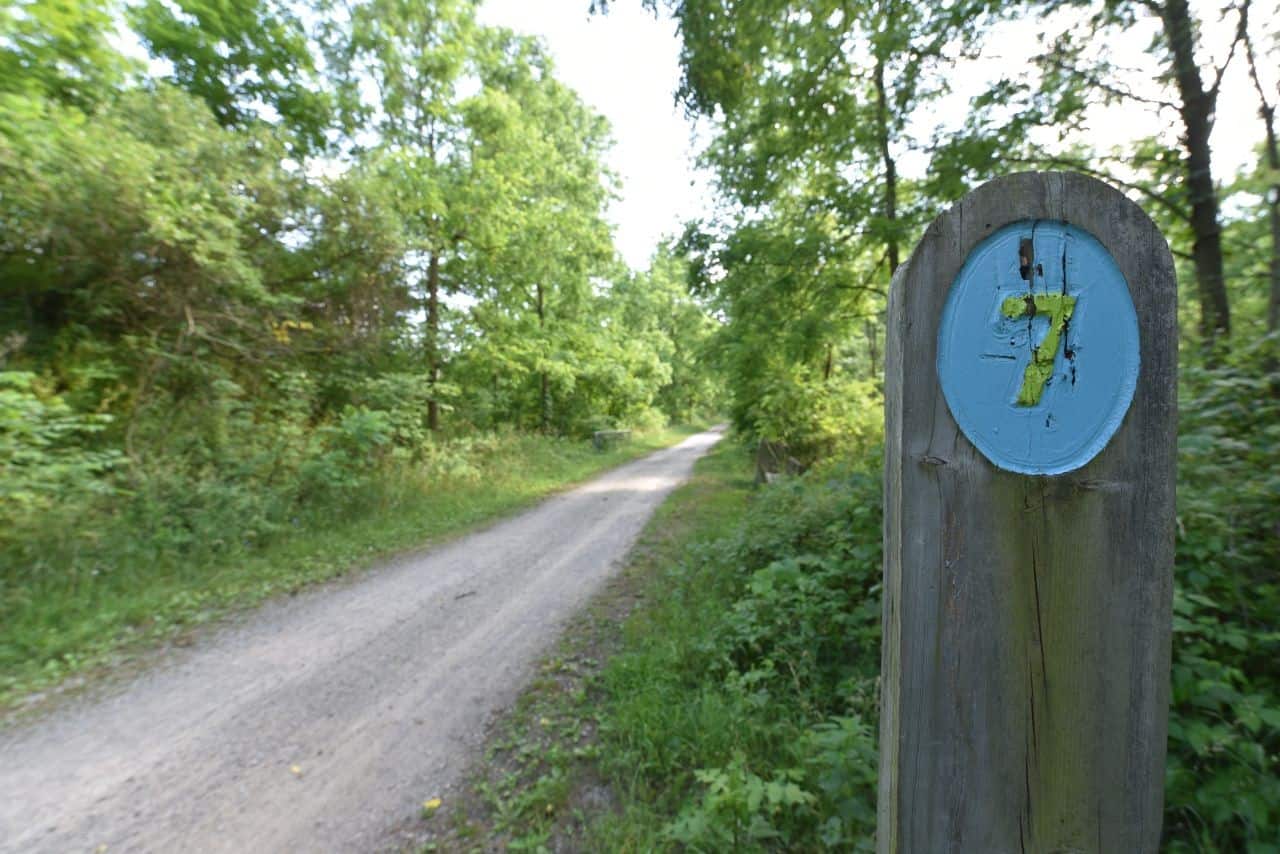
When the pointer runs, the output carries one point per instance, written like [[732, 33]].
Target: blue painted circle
[[983, 353]]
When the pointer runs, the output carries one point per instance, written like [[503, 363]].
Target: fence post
[[1029, 525]]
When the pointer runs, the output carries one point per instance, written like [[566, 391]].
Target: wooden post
[[1029, 526]]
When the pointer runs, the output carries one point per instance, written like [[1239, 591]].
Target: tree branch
[[1098, 83], [1241, 35]]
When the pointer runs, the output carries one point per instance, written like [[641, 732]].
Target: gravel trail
[[321, 721]]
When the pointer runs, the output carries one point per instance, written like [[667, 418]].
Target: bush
[[1223, 778], [744, 714], [748, 703], [43, 455], [817, 418]]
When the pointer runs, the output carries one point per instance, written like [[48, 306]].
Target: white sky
[[625, 65], [1238, 128]]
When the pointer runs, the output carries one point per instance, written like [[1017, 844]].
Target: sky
[[626, 65]]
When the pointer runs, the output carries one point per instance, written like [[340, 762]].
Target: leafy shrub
[[1223, 778], [739, 808], [817, 418], [751, 712], [43, 453], [465, 459], [404, 398], [747, 709]]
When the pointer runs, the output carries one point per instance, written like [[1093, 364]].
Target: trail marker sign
[[1039, 360], [1029, 519]]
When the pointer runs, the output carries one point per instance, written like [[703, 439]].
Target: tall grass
[[84, 579], [740, 714]]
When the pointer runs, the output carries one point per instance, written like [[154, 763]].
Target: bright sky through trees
[[624, 64]]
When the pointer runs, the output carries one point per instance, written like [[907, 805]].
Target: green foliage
[[239, 58], [309, 263], [59, 50], [42, 458], [795, 296], [180, 539], [740, 809], [147, 217], [1223, 784], [816, 418], [741, 712], [815, 106]]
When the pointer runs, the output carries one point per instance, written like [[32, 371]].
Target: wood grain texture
[[1026, 619]]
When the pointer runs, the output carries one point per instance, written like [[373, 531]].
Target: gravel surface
[[323, 720]]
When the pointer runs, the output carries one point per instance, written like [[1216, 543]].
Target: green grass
[[545, 756], [749, 679], [721, 696], [91, 594]]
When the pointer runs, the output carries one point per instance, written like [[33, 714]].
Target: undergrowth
[[538, 786], [144, 553], [1222, 791], [742, 713]]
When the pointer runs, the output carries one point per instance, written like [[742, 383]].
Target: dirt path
[[323, 720]]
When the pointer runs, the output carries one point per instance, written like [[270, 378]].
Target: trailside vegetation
[[282, 279], [271, 269], [741, 712], [739, 709], [813, 109]]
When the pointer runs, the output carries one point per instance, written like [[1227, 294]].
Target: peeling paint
[[1038, 347], [1040, 368]]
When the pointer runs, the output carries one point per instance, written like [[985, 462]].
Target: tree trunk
[[544, 382], [1196, 107], [433, 339], [1267, 111], [1273, 157], [1273, 205], [870, 328], [890, 201]]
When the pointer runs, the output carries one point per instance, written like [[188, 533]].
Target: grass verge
[[89, 601], [540, 777], [719, 695]]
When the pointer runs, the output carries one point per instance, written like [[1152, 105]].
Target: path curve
[[321, 721]]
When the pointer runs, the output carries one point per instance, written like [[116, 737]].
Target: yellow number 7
[[1040, 368]]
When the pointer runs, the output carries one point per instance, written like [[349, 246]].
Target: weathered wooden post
[[1029, 526]]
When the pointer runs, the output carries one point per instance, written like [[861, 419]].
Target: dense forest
[[307, 259]]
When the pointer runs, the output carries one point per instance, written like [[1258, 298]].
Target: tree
[[1075, 78], [548, 243], [1271, 157], [502, 191], [59, 50], [815, 104], [655, 306], [414, 56], [243, 58]]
